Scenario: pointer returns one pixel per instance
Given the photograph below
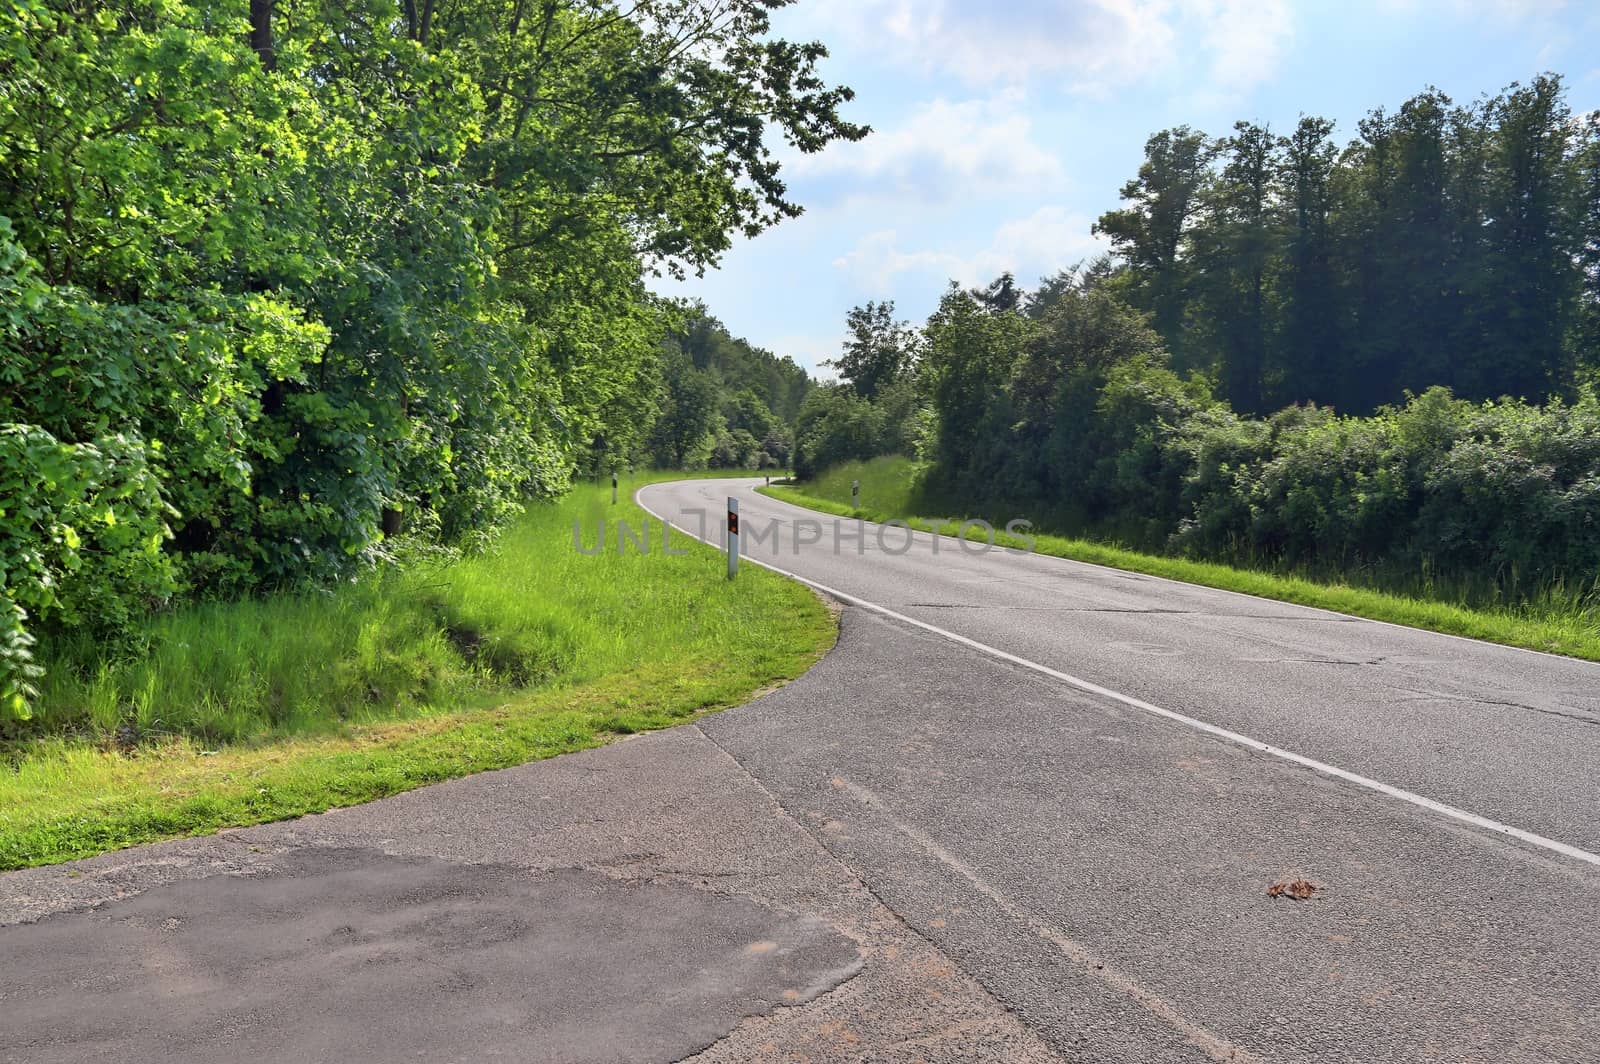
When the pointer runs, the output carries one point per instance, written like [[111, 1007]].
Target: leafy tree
[[1411, 299], [1085, 338], [1533, 242], [878, 352], [1149, 234], [970, 353], [1311, 326], [1586, 193], [1001, 294], [1235, 250], [686, 430]]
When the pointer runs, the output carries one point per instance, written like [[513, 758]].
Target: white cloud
[[1242, 39], [1089, 45], [1503, 10], [972, 146], [1050, 239]]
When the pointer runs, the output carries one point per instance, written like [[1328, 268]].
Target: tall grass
[[532, 610], [227, 672], [890, 485], [1556, 617]]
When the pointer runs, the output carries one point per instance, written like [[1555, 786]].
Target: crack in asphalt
[[869, 889], [1431, 696], [1313, 661]]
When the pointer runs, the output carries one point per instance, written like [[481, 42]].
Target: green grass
[[1555, 621], [240, 713], [888, 487]]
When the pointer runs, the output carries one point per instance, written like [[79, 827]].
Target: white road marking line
[[1212, 1044], [1398, 793]]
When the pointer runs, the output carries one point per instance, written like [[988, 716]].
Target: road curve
[[1103, 870], [1025, 811]]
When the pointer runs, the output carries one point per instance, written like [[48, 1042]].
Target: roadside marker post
[[733, 536], [613, 487], [855, 494]]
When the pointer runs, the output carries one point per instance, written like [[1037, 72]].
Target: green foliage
[[686, 431], [1073, 413], [357, 277], [82, 527], [879, 352], [1503, 494], [1558, 619], [1447, 258], [970, 352], [724, 403], [1446, 245], [439, 633], [837, 425], [1150, 233], [879, 408]]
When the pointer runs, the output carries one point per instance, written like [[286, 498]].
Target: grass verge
[[1556, 624], [527, 652]]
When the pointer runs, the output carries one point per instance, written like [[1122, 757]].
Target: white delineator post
[[613, 487], [733, 536], [855, 494]]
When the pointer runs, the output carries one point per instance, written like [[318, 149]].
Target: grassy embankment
[[245, 712], [1556, 621]]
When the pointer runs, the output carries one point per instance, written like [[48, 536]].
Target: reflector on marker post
[[733, 536]]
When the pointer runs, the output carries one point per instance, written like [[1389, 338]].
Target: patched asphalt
[[458, 961]]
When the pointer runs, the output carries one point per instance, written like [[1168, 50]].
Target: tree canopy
[[1446, 245]]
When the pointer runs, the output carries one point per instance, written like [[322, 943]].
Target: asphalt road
[[645, 901], [922, 850], [1504, 733], [1103, 870]]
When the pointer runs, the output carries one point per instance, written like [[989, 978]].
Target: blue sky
[[1003, 129]]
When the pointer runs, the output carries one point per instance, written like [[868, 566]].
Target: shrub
[[836, 425], [1078, 413], [81, 533]]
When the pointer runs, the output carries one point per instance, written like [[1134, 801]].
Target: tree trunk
[[261, 32]]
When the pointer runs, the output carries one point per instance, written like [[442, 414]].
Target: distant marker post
[[733, 536], [613, 487], [855, 494]]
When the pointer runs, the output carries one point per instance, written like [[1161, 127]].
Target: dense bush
[[1076, 414], [837, 425]]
